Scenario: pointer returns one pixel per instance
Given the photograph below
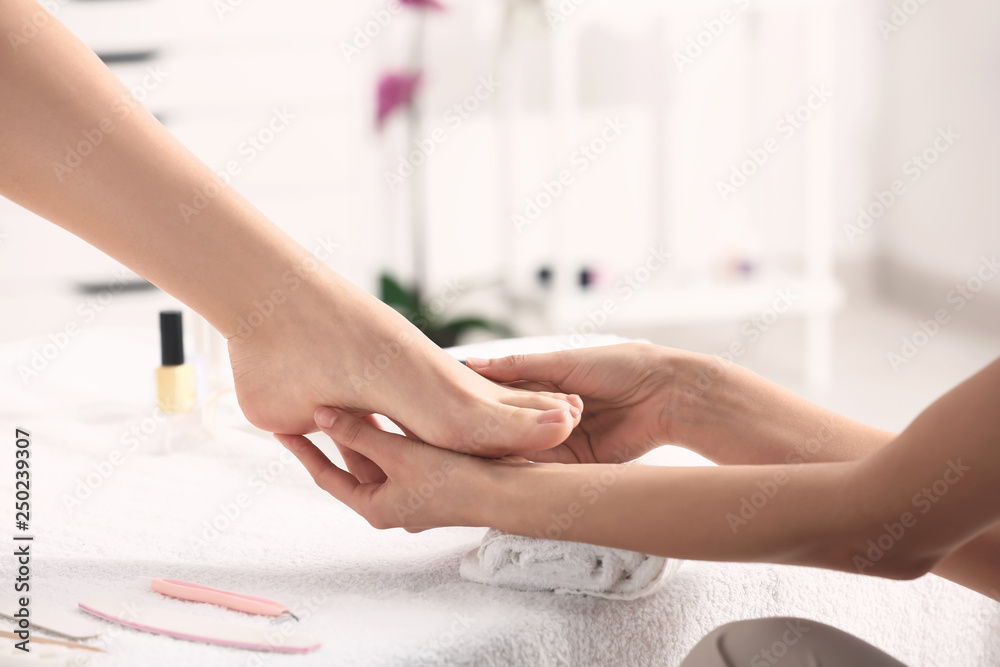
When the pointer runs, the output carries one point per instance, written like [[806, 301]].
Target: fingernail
[[552, 416], [574, 411], [325, 417], [476, 362]]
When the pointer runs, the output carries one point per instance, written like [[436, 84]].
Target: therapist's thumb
[[355, 433], [551, 367]]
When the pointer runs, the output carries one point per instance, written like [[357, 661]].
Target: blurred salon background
[[806, 186]]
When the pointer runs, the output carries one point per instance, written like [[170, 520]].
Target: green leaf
[[397, 296], [444, 333], [463, 324]]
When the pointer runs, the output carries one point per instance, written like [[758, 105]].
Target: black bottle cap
[[171, 338], [545, 276]]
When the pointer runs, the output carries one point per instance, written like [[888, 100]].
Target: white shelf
[[668, 304], [678, 178]]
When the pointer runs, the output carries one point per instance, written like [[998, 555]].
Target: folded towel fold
[[534, 564]]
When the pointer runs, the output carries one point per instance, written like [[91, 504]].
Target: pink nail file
[[250, 604], [174, 623]]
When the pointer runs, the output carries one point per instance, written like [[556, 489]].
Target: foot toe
[[520, 429]]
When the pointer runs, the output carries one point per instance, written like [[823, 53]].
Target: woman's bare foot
[[331, 343], [308, 338]]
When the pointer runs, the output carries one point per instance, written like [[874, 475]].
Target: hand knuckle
[[350, 431], [323, 478]]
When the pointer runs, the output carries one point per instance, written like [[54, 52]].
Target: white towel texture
[[239, 513], [536, 564]]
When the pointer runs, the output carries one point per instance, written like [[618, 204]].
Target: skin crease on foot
[[327, 342]]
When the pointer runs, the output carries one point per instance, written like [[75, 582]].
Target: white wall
[[324, 176], [942, 70], [223, 76]]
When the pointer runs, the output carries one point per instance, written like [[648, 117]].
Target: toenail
[[552, 416], [574, 411]]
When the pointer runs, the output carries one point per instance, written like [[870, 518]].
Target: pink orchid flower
[[395, 90], [423, 4]]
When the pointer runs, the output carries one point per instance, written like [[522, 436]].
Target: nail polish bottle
[[175, 381]]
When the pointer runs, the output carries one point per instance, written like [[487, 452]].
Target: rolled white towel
[[534, 564]]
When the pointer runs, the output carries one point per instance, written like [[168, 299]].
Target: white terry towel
[[534, 564]]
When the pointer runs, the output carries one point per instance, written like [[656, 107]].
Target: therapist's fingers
[[338, 483], [553, 367], [380, 447], [532, 385], [360, 465]]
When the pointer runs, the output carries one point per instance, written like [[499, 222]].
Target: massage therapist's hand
[[395, 481], [637, 396], [632, 396]]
